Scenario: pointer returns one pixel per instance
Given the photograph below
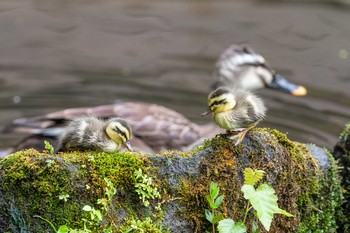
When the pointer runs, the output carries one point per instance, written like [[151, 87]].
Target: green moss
[[341, 153], [321, 202], [291, 170], [32, 181], [140, 226], [345, 132], [35, 180]]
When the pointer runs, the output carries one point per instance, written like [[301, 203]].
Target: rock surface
[[309, 188]]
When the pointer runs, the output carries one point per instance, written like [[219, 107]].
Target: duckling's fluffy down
[[86, 133]]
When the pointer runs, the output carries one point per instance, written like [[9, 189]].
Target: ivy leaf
[[251, 177], [229, 226], [264, 201]]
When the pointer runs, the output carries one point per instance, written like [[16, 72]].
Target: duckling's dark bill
[[127, 146], [206, 112], [282, 84]]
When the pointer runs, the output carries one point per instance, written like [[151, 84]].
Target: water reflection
[[61, 54]]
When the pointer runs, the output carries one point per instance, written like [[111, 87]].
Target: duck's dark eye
[[218, 102], [120, 132]]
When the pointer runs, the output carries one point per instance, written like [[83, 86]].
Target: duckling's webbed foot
[[237, 138], [240, 136]]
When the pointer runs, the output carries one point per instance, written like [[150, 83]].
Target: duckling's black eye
[[120, 132], [218, 102]]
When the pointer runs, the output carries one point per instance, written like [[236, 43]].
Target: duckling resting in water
[[235, 110], [91, 133]]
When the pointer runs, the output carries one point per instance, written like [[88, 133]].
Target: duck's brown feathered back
[[156, 126]]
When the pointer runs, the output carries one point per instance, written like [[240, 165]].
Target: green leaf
[[49, 147], [214, 190], [211, 203], [209, 216], [280, 211], [264, 201], [87, 208], [98, 214], [218, 201], [217, 218], [229, 226], [251, 177], [226, 226], [255, 227], [63, 229]]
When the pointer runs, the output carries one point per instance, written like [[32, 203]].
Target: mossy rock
[[341, 153], [309, 188]]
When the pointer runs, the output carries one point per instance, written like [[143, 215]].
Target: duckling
[[235, 110], [155, 128], [91, 133], [241, 67]]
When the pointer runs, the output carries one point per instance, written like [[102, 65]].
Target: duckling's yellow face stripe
[[118, 132], [222, 103]]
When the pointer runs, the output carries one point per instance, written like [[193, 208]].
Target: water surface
[[59, 54]]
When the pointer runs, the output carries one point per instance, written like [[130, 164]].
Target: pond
[[60, 54]]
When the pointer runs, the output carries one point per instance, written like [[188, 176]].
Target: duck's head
[[119, 131], [220, 100], [242, 67]]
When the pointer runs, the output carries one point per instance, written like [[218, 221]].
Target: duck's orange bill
[[300, 91]]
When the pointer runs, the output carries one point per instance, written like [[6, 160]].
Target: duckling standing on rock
[[91, 133], [235, 110]]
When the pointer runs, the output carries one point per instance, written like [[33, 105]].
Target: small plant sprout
[[50, 162], [262, 199], [50, 149], [145, 187], [64, 197], [214, 201], [92, 223], [109, 193], [94, 213]]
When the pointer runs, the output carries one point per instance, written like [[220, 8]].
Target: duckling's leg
[[241, 134]]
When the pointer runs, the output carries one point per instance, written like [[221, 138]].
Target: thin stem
[[213, 225], [44, 219], [246, 212]]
